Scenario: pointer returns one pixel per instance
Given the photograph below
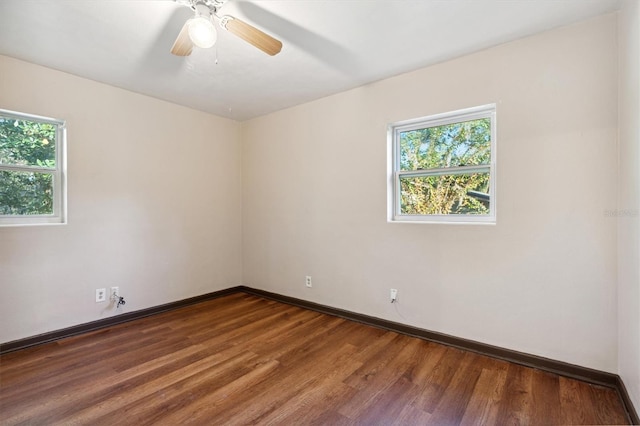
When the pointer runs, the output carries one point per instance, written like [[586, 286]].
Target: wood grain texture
[[242, 359], [252, 35], [183, 45]]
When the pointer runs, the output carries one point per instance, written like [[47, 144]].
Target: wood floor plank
[[292, 379], [158, 398], [411, 415], [310, 401], [242, 359], [389, 403], [517, 397], [380, 373], [486, 397], [427, 358], [545, 393], [206, 400], [438, 380], [454, 402], [94, 392], [605, 402]]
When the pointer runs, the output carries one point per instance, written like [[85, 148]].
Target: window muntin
[[443, 167], [32, 172]]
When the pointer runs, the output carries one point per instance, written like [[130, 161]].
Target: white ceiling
[[329, 45]]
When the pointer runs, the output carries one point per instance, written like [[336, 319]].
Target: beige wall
[[154, 205], [629, 200], [542, 281]]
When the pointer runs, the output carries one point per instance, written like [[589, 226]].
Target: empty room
[[319, 212]]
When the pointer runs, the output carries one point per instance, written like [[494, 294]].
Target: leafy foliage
[[26, 144], [442, 147]]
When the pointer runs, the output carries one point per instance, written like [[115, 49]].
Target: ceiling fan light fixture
[[202, 32]]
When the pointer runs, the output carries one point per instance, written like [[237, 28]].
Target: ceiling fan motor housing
[[211, 5]]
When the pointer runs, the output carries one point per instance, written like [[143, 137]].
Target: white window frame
[[59, 215], [394, 173]]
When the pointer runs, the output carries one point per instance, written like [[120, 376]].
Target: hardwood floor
[[241, 359]]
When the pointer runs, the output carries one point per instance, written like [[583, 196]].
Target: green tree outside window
[[28, 152]]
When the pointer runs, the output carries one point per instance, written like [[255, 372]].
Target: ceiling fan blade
[[183, 45], [251, 35]]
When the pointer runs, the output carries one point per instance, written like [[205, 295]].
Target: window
[[442, 168], [32, 169]]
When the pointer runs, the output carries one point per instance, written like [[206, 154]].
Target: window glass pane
[[27, 143], [451, 145], [26, 193], [445, 194]]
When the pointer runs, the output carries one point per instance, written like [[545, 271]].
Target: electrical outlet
[[101, 295], [307, 281], [393, 295], [115, 291]]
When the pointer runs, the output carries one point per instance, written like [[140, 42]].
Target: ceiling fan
[[200, 31]]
